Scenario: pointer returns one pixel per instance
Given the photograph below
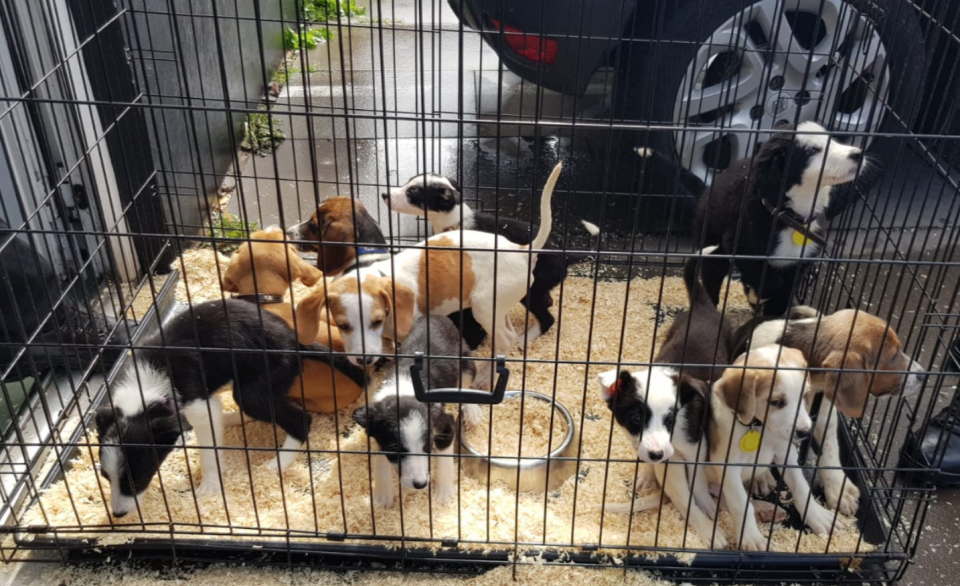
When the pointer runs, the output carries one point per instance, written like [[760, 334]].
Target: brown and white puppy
[[338, 223], [449, 271], [261, 272], [757, 411], [865, 358]]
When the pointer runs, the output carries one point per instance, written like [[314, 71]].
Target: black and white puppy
[[407, 431], [771, 205], [666, 409], [438, 199], [140, 424]]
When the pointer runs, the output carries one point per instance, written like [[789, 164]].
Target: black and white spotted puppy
[[409, 432]]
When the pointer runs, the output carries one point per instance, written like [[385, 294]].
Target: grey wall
[[211, 56]]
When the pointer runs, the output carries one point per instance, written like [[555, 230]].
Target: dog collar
[[260, 299], [794, 220], [361, 250]]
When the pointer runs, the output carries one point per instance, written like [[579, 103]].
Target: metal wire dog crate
[[144, 140]]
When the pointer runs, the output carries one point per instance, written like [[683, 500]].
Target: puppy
[[337, 223], [665, 409], [408, 431], [259, 273], [438, 199], [139, 426], [847, 339], [771, 205], [340, 221], [383, 299], [756, 414]]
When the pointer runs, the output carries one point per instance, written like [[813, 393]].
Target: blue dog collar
[[361, 250]]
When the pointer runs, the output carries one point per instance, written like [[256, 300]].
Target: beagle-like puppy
[[261, 273], [847, 340], [334, 226], [757, 410], [447, 272]]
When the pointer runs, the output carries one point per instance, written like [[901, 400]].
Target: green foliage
[[327, 10], [283, 73], [307, 38], [261, 134], [226, 225]]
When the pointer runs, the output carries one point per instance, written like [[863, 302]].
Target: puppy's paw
[[383, 496], [444, 492], [719, 539], [753, 540], [820, 520], [531, 335], [471, 414], [482, 381], [646, 478], [208, 488], [845, 500], [271, 466], [763, 483]]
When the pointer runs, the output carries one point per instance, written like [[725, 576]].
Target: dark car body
[[589, 35], [586, 35]]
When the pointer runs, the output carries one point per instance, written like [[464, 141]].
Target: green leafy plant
[[283, 73], [307, 38], [261, 134], [223, 224], [327, 10]]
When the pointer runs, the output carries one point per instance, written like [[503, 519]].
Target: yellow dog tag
[[750, 442], [799, 239]]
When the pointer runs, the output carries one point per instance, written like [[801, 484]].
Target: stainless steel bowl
[[535, 473]]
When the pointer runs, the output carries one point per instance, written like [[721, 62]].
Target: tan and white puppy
[[757, 411], [446, 273], [847, 340]]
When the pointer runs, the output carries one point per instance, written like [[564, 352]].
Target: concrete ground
[[500, 165]]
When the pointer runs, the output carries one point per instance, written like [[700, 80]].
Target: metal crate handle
[[461, 396]]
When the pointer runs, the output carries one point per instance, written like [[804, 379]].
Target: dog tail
[[688, 180], [546, 211], [695, 289]]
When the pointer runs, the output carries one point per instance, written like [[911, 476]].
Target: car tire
[[650, 75]]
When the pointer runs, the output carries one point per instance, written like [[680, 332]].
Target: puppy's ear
[[308, 315], [165, 430], [360, 415], [690, 387], [739, 392], [613, 384], [444, 427], [847, 390], [229, 283], [332, 259], [104, 418], [400, 299], [770, 164], [302, 271]]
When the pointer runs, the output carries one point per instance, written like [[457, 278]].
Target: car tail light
[[527, 45]]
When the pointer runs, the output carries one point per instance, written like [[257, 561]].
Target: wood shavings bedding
[[330, 492], [507, 423]]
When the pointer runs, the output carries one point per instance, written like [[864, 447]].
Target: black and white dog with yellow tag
[[771, 205]]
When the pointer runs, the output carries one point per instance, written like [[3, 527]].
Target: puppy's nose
[[802, 433], [119, 514], [856, 155], [368, 359], [655, 456], [385, 196], [418, 484]]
